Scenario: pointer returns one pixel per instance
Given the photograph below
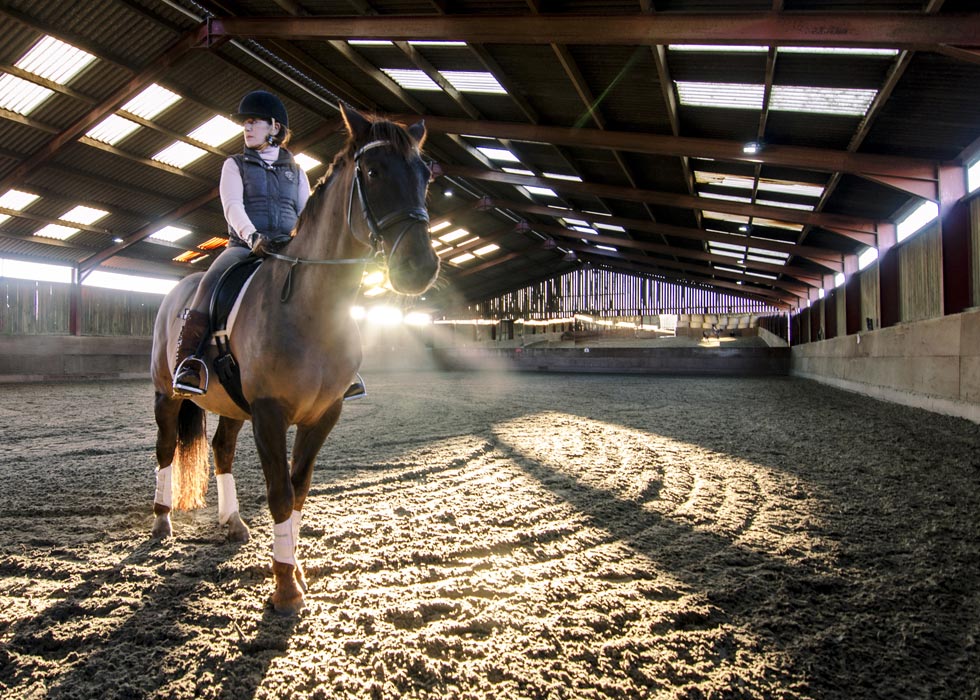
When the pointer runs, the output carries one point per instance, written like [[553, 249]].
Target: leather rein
[[375, 226]]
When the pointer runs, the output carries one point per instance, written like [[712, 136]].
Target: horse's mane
[[381, 130]]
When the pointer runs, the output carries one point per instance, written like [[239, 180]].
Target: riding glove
[[262, 244]]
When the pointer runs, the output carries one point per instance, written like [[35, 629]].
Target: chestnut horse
[[298, 351]]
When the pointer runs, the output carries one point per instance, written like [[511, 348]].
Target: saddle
[[226, 294]]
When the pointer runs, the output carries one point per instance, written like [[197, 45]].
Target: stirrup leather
[[188, 389]]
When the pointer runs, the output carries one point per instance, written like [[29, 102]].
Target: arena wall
[[932, 364]]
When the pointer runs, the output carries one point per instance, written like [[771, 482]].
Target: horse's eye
[[372, 172]]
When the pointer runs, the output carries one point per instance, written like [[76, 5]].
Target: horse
[[294, 340]]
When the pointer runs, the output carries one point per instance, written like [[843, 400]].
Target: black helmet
[[263, 105]]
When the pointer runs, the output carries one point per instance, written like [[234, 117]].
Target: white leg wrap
[[283, 547], [227, 498], [164, 493], [297, 520]]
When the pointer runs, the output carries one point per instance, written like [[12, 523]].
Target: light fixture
[[570, 256], [744, 228], [448, 192], [752, 147]]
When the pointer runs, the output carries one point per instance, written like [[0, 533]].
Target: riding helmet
[[263, 105]]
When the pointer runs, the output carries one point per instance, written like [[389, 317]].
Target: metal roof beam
[[915, 175], [915, 31], [862, 230]]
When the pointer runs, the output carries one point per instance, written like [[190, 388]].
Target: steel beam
[[915, 31]]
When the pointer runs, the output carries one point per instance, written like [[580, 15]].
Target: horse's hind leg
[[165, 410], [224, 443]]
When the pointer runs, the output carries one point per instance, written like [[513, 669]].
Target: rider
[[263, 191]]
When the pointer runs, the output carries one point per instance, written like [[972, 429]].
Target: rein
[[409, 216]]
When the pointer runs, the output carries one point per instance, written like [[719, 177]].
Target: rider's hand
[[262, 244]]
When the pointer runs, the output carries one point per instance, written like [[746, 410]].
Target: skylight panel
[[440, 226], [784, 205], [560, 176], [770, 253], [765, 259], [369, 42], [412, 79], [489, 248], [112, 129], [800, 98], [731, 95], [179, 154], [585, 229], [151, 102], [918, 219], [775, 223], [725, 48], [610, 227], [474, 81], [574, 222], [722, 216], [56, 231], [17, 200], [728, 253], [170, 234], [437, 42], [860, 51], [454, 235], [307, 163], [189, 256], [606, 247], [216, 131], [762, 274], [518, 171], [729, 246], [728, 269], [54, 60], [84, 215], [726, 197], [543, 191], [465, 257], [212, 243], [801, 189], [21, 96], [501, 154]]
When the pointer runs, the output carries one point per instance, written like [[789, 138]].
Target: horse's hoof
[[162, 527], [237, 529], [287, 599]]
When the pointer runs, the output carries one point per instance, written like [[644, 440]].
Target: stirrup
[[188, 389], [357, 390]]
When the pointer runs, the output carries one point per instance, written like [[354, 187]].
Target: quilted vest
[[271, 191]]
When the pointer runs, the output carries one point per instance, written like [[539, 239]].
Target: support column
[[75, 303], [954, 230], [853, 321]]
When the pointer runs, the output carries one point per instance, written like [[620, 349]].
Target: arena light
[[417, 318], [384, 315]]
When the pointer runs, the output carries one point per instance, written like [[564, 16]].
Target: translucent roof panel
[[730, 95], [474, 81], [216, 131], [799, 98], [179, 154], [151, 102], [112, 129], [84, 215], [21, 96], [54, 60], [411, 79]]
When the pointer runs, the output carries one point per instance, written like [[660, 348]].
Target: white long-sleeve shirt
[[232, 192]]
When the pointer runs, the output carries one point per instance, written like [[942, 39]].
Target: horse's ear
[[357, 125], [417, 132]]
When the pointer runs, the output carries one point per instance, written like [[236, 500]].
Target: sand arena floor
[[483, 536]]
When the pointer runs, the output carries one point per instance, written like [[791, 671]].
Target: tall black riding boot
[[188, 366]]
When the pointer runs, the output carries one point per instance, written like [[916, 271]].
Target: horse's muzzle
[[413, 265]]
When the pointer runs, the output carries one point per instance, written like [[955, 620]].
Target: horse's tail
[[191, 460]]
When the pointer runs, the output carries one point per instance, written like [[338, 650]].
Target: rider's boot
[[357, 390], [188, 366]]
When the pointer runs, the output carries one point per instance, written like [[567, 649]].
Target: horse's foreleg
[[309, 440], [165, 410], [269, 426], [224, 443]]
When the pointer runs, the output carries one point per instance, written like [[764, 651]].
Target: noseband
[[376, 226]]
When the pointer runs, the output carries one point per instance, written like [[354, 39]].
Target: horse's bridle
[[375, 227]]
